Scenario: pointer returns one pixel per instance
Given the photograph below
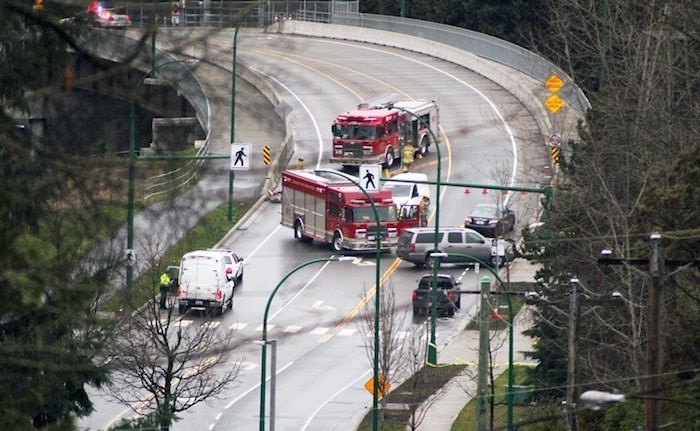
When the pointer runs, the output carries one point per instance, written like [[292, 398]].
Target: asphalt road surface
[[319, 315]]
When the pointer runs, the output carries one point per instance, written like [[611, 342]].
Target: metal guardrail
[[229, 14], [482, 45], [226, 14]]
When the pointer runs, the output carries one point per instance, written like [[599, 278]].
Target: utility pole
[[654, 335], [483, 354], [571, 363], [657, 266], [573, 315]]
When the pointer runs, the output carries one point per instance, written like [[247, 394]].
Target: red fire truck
[[375, 131], [333, 209]]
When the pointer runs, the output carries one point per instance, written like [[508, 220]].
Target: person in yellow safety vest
[[424, 207], [408, 155], [164, 286]]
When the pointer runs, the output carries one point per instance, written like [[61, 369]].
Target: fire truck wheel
[[299, 231], [389, 158], [337, 242]]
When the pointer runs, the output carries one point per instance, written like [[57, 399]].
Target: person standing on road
[[408, 155], [299, 165], [164, 287], [424, 207]]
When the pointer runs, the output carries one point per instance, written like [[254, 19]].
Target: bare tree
[[392, 357], [417, 349], [162, 366]]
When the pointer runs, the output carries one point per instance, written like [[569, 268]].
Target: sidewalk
[[464, 348]]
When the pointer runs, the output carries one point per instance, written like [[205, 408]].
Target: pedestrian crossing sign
[[240, 157], [369, 177]]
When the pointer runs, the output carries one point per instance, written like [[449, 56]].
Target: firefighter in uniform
[[408, 155], [424, 207], [164, 286]]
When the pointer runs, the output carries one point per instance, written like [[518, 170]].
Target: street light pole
[[377, 301], [432, 345], [233, 104], [265, 342], [131, 261], [571, 365], [231, 175], [511, 341]]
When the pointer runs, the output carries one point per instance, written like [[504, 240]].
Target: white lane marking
[[257, 385], [361, 262], [247, 365], [300, 291], [346, 332], [238, 326], [341, 390], [320, 330], [306, 108], [255, 250], [292, 329], [318, 305]]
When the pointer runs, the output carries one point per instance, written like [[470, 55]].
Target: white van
[[206, 281], [403, 190]]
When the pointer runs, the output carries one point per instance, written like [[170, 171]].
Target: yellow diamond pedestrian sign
[[554, 103], [383, 389], [554, 83]]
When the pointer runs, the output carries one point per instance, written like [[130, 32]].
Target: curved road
[[318, 317]]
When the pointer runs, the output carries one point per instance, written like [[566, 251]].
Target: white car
[[235, 266], [207, 280], [403, 189]]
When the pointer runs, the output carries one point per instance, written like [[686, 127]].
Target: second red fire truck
[[333, 209], [375, 131]]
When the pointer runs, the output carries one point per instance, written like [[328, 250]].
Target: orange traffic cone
[[466, 191], [484, 192]]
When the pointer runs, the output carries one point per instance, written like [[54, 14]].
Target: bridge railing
[[228, 14], [178, 75]]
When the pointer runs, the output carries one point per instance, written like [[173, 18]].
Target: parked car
[[447, 296], [207, 280], [403, 190], [488, 220], [460, 245], [236, 265]]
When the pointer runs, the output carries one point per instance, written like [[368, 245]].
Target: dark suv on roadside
[[447, 295]]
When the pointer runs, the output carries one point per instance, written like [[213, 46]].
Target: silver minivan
[[416, 244]]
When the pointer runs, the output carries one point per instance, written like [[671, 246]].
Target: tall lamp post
[[511, 374], [231, 175], [131, 255], [377, 301], [432, 346], [264, 332]]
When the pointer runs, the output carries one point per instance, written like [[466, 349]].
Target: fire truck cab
[[332, 209], [376, 131]]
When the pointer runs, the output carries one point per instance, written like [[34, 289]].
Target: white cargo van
[[403, 190], [206, 281]]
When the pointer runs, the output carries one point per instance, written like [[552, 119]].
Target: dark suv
[[447, 295]]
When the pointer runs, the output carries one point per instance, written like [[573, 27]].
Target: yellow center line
[[364, 300]]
